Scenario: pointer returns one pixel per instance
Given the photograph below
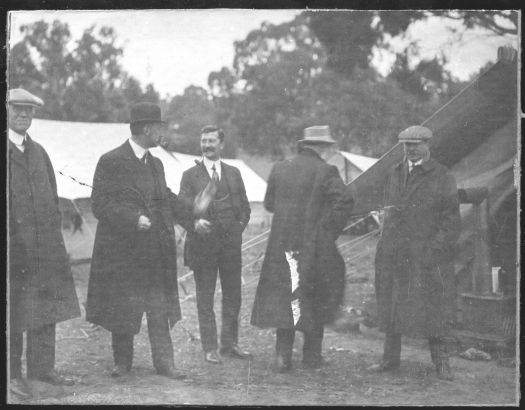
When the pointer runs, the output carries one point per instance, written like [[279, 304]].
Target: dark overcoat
[[310, 207], [193, 181], [42, 290], [124, 258], [415, 283]]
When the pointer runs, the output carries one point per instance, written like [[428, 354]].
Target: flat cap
[[415, 133], [19, 96]]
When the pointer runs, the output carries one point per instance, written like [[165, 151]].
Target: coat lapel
[[202, 175], [418, 178], [17, 156], [33, 161], [134, 164], [227, 175]]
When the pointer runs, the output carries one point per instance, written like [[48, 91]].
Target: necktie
[[145, 158], [214, 175], [25, 149]]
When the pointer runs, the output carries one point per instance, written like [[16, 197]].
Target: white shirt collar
[[17, 139], [209, 163], [413, 164], [137, 149]]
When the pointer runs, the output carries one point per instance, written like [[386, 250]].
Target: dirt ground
[[84, 353]]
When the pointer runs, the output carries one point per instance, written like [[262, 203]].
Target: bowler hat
[[19, 96], [415, 133], [318, 134], [145, 112]]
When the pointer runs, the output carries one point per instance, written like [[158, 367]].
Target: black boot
[[282, 361], [442, 363], [391, 353], [433, 344]]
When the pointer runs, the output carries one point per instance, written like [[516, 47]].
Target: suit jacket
[[194, 180], [124, 258]]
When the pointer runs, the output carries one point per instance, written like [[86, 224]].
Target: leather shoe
[[19, 387], [235, 351], [56, 379], [384, 366], [443, 371], [315, 364], [212, 357], [281, 365], [119, 370], [172, 373]]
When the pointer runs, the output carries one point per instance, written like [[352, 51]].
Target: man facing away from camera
[[40, 284], [216, 193], [414, 279], [134, 264], [303, 275]]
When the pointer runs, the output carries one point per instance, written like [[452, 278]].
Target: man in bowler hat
[[40, 285], [134, 264]]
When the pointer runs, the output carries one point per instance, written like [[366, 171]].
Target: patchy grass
[[84, 353]]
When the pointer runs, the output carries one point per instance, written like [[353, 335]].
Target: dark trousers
[[159, 338], [225, 259], [311, 347], [158, 330], [392, 349], [40, 351]]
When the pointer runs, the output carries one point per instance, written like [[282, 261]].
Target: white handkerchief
[[292, 263], [291, 258], [296, 311]]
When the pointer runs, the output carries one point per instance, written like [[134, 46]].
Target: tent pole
[[482, 265]]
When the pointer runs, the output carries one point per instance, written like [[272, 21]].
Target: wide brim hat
[[145, 112], [19, 96], [415, 133], [319, 134]]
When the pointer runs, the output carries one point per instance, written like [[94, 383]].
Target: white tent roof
[[75, 148], [360, 161]]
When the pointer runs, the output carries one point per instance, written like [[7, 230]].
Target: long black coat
[[125, 259], [310, 209], [193, 181], [415, 283], [41, 286]]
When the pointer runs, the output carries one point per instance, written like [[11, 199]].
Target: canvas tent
[[75, 147], [350, 165], [475, 134]]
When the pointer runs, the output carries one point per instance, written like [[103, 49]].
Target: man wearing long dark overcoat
[[41, 288], [214, 247], [415, 283], [134, 264], [302, 278]]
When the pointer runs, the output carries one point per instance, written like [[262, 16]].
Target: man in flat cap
[[134, 264], [41, 288], [414, 260], [302, 278]]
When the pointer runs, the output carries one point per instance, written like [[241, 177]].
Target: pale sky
[[176, 48]]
